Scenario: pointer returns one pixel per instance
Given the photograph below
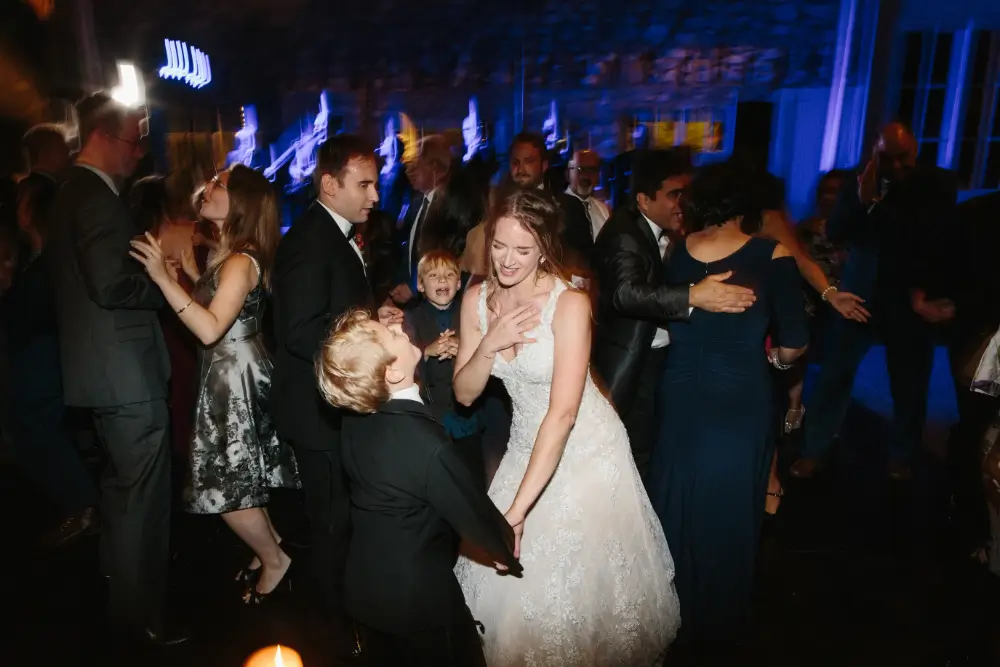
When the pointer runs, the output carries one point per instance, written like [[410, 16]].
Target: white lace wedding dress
[[597, 588]]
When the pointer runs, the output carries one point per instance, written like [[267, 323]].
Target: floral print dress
[[236, 457]]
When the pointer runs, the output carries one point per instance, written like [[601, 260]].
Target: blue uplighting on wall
[[186, 63]]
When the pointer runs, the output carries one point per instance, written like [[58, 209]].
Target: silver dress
[[236, 457]]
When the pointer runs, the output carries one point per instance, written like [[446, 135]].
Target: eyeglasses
[[134, 143], [216, 182]]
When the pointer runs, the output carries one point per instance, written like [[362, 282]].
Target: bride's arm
[[571, 327], [472, 365]]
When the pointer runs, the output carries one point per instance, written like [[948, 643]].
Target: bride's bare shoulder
[[572, 307]]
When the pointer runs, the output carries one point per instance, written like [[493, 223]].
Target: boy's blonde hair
[[435, 259], [351, 365]]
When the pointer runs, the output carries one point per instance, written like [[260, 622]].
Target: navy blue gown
[[716, 435]]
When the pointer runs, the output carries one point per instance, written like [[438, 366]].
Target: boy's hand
[[389, 315], [445, 347]]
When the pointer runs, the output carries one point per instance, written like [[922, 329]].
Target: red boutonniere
[[359, 241]]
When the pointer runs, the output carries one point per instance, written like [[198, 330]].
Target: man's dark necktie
[[417, 221], [588, 209]]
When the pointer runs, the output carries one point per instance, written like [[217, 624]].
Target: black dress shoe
[[78, 525]]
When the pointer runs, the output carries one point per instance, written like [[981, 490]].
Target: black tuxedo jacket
[[317, 277], [633, 301], [577, 235], [411, 499], [111, 346]]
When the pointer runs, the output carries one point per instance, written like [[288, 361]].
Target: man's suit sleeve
[[633, 295], [305, 308], [113, 279], [578, 233]]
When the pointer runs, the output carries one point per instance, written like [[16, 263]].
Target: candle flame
[[278, 662]]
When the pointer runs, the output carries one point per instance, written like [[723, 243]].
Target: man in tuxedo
[[894, 218], [634, 303], [429, 174], [583, 174], [114, 361], [319, 274], [528, 165]]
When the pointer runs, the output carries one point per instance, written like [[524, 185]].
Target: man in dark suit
[[429, 173], [114, 360], [528, 164], [634, 303], [319, 274], [411, 497], [895, 219]]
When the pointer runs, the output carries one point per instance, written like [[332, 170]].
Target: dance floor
[[854, 571]]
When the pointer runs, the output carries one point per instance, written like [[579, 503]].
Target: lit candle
[[274, 656]]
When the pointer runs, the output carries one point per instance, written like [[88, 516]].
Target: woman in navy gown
[[716, 425]]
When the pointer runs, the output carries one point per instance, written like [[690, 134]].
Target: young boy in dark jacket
[[411, 499], [433, 326]]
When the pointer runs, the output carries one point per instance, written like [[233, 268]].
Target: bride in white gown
[[597, 587]]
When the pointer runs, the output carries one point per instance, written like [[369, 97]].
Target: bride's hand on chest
[[507, 325]]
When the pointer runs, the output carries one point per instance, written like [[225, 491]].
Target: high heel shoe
[[246, 574], [252, 596], [793, 419]]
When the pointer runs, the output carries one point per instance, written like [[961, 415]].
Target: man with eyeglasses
[[584, 173], [115, 363]]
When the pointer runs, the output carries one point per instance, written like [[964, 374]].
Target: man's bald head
[[897, 152], [584, 172]]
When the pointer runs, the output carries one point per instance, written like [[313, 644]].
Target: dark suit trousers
[[639, 417], [328, 510], [135, 507], [909, 353], [459, 646]]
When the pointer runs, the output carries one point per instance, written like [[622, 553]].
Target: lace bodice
[[528, 376]]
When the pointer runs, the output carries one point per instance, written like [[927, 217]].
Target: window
[[707, 130], [978, 159], [924, 88]]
